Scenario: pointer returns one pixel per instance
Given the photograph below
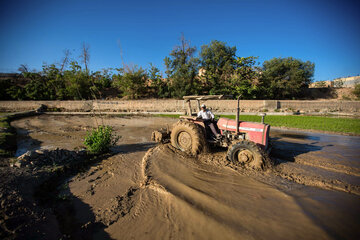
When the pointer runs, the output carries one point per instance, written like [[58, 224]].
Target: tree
[[218, 66], [65, 59], [182, 69], [356, 91], [54, 82], [158, 86], [23, 68], [245, 80], [283, 78], [77, 84], [131, 81], [37, 88], [85, 55]]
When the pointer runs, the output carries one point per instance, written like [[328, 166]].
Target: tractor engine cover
[[255, 132]]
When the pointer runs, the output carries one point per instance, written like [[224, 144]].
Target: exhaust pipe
[[238, 115]]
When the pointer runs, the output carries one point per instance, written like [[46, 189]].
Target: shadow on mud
[[134, 147], [288, 151], [75, 218], [299, 136]]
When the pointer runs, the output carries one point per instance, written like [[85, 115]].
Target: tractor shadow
[[286, 147]]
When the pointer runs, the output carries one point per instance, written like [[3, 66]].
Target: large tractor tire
[[187, 137], [246, 154]]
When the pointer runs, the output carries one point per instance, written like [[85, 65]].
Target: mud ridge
[[120, 207], [319, 182], [334, 167]]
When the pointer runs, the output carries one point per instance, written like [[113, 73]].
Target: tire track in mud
[[297, 172], [122, 205], [131, 200], [189, 193]]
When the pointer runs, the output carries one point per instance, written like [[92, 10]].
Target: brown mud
[[145, 191]]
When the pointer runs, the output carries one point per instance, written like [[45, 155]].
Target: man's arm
[[199, 114], [212, 115]]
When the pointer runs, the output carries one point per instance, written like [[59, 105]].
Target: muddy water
[[312, 192], [327, 161]]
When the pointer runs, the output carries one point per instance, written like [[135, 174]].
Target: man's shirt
[[206, 115]]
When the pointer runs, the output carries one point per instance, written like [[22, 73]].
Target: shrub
[[356, 91], [100, 139]]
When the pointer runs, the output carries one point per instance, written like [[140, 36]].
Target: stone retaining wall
[[172, 105]]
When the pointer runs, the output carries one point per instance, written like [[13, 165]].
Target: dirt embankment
[[144, 191]]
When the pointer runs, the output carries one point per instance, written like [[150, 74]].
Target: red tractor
[[247, 142]]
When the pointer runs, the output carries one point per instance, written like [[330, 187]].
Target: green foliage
[[15, 93], [217, 71], [77, 82], [217, 65], [131, 81], [158, 86], [100, 139], [182, 70], [54, 84], [356, 91], [38, 88], [102, 79], [245, 79], [283, 78]]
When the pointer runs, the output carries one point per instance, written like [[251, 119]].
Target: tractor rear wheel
[[247, 154], [187, 137]]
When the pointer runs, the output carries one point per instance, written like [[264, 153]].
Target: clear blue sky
[[326, 32]]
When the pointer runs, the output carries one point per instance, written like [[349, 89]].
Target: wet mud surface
[[149, 191]]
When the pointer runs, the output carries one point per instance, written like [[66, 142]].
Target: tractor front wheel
[[246, 154]]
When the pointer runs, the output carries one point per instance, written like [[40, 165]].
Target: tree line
[[214, 69]]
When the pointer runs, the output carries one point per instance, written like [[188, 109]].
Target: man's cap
[[203, 106]]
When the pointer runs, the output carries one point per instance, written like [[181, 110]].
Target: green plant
[[100, 139], [131, 81], [345, 97], [182, 69], [218, 63], [285, 78], [356, 91]]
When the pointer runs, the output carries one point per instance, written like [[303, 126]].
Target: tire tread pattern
[[259, 161], [197, 138]]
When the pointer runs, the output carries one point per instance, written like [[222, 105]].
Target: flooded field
[[149, 191]]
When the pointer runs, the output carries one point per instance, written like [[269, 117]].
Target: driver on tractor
[[208, 117]]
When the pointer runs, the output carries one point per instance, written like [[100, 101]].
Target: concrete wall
[[171, 105]]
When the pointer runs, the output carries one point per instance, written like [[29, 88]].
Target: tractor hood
[[256, 132]]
